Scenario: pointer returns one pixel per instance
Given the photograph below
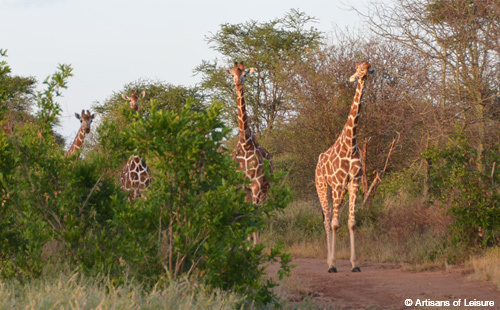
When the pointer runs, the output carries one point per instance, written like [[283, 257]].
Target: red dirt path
[[383, 286]]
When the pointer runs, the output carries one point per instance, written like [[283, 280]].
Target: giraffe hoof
[[356, 269], [332, 270]]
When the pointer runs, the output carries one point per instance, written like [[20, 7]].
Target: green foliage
[[408, 182], [167, 96], [195, 220], [469, 195], [48, 108]]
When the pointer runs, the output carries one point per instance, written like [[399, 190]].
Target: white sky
[[110, 43]]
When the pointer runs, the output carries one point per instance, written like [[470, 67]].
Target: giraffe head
[[134, 97], [85, 119], [239, 74], [362, 70]]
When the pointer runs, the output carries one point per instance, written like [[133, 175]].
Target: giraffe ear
[[249, 71], [92, 117], [228, 72], [125, 97], [77, 115], [143, 93]]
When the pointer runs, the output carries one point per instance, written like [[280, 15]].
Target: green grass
[[73, 290], [60, 288]]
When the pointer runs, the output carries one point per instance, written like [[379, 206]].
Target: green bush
[[195, 217], [466, 192], [194, 221]]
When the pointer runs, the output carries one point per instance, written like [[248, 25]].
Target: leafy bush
[[194, 221], [466, 192], [195, 217]]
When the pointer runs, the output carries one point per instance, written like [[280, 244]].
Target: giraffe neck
[[244, 128], [352, 121], [77, 144]]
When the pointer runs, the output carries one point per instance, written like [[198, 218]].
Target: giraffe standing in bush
[[340, 168], [85, 120], [248, 153], [135, 173]]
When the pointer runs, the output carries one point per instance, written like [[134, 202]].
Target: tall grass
[[61, 288], [487, 266], [300, 228], [73, 290]]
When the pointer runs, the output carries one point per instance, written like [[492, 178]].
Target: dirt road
[[385, 286]]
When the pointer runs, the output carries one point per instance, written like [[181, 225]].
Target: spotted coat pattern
[[135, 177], [248, 153], [135, 174], [340, 168]]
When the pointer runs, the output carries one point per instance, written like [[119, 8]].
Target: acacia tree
[[271, 48]]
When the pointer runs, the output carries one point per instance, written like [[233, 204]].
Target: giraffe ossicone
[[248, 153], [340, 168], [133, 99], [85, 120]]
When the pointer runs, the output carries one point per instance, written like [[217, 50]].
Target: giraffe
[[135, 174], [85, 120], [248, 153], [134, 96], [135, 177], [6, 127], [340, 168]]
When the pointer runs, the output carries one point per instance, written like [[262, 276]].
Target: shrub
[[465, 191], [195, 220], [195, 217]]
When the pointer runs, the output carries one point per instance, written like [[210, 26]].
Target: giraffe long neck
[[77, 144], [352, 121], [244, 128]]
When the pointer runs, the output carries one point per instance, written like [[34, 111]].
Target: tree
[[170, 97], [453, 39], [271, 48], [19, 99]]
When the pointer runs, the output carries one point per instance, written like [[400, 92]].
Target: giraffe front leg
[[337, 195], [259, 191], [353, 191]]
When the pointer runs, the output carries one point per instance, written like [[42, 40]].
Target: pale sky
[[110, 43]]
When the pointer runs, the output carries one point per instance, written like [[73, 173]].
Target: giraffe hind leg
[[322, 189], [353, 190]]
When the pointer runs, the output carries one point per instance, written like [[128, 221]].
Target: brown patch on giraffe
[[350, 121], [135, 177]]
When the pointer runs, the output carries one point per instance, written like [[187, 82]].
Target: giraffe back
[[135, 176]]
